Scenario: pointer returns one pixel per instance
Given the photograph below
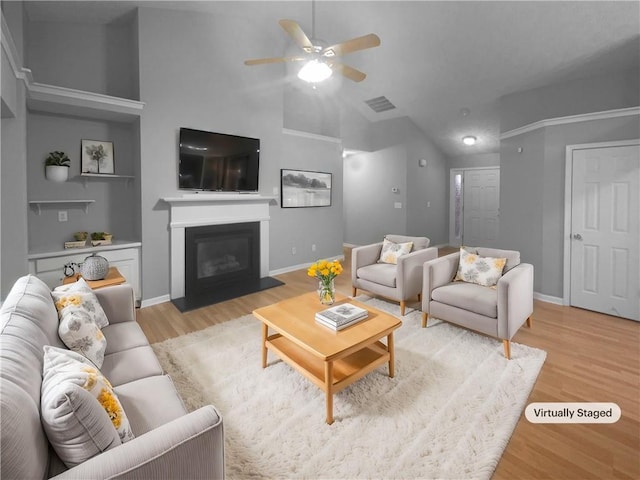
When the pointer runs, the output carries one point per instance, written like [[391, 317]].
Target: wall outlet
[[428, 204], [293, 250], [275, 191], [62, 216], [313, 247]]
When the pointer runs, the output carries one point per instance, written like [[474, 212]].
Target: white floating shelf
[[68, 101], [103, 176], [37, 204]]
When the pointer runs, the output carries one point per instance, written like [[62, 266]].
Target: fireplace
[[220, 256]]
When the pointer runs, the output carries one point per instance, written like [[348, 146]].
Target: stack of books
[[341, 316]]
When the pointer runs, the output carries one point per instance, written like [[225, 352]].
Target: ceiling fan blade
[[353, 45], [349, 72], [262, 61], [294, 30]]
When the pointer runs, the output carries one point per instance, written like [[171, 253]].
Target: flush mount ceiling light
[[314, 72], [469, 140]]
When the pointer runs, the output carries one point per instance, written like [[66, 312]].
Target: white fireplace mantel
[[193, 210]]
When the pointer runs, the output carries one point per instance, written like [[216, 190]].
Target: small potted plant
[[57, 167]]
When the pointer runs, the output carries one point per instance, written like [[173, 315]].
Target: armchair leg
[[529, 321], [403, 305], [354, 291], [419, 297], [425, 317], [507, 349]]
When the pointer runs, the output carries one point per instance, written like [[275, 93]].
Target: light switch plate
[[397, 205]]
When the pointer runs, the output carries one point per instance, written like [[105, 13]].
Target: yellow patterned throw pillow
[[392, 251], [473, 268], [81, 414]]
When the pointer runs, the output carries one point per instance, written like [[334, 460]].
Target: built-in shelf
[[103, 176], [38, 204], [56, 251], [68, 101], [200, 198]]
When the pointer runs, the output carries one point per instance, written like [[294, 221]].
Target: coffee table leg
[[390, 349], [265, 332], [328, 388]]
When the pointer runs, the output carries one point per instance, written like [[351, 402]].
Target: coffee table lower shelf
[[331, 375]]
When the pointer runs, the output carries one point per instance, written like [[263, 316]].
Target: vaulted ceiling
[[445, 65]]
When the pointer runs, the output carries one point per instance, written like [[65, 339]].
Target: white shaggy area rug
[[448, 413]]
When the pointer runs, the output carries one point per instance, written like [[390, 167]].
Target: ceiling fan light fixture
[[469, 140], [314, 72]]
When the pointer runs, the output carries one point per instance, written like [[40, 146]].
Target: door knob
[[577, 236]]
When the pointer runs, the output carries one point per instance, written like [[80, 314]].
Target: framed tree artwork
[[302, 188], [97, 157]]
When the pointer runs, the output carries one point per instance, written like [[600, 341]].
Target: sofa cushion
[[129, 365], [123, 336], [80, 333], [80, 412], [380, 273], [78, 296], [391, 251], [419, 243], [150, 402], [468, 296]]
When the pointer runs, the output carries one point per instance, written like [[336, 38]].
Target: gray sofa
[[169, 443]]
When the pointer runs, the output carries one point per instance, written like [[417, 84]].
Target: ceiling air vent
[[380, 104]]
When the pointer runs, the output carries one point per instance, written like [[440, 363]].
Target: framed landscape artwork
[[97, 157], [302, 188]]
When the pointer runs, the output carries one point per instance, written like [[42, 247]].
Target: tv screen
[[217, 162]]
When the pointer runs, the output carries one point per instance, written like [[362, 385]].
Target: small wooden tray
[[75, 244], [95, 243]]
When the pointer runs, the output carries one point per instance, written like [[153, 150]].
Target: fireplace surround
[[223, 212]]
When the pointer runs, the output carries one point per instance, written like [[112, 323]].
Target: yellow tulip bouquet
[[325, 272]]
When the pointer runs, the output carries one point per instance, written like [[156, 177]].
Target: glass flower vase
[[326, 292]]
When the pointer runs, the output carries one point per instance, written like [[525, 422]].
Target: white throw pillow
[[88, 302], [392, 251], [81, 414], [473, 268]]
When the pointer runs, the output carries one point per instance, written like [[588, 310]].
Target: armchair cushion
[[468, 296], [474, 268], [380, 273], [419, 243], [391, 251]]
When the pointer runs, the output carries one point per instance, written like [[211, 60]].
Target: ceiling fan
[[321, 61]]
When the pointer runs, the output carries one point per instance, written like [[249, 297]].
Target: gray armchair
[[396, 282], [497, 312]]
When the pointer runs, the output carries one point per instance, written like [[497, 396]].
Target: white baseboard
[[548, 298], [155, 301], [301, 266]]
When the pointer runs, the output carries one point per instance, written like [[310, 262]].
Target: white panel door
[[605, 242], [481, 207]]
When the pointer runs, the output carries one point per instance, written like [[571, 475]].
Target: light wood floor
[[590, 358]]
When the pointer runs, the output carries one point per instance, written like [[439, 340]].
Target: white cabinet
[[49, 267]]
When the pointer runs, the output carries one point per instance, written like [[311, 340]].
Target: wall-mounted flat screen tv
[[217, 162]]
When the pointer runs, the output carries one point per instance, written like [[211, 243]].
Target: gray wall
[[397, 147], [595, 94], [474, 160], [91, 57], [114, 198], [532, 192], [369, 211], [221, 95], [13, 171]]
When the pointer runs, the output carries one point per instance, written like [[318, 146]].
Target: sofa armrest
[[118, 303], [362, 256], [191, 447], [437, 273], [409, 273], [515, 299]]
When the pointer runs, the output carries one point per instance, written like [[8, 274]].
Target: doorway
[[474, 206], [602, 228]]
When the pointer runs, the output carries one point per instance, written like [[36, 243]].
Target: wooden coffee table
[[332, 360]]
